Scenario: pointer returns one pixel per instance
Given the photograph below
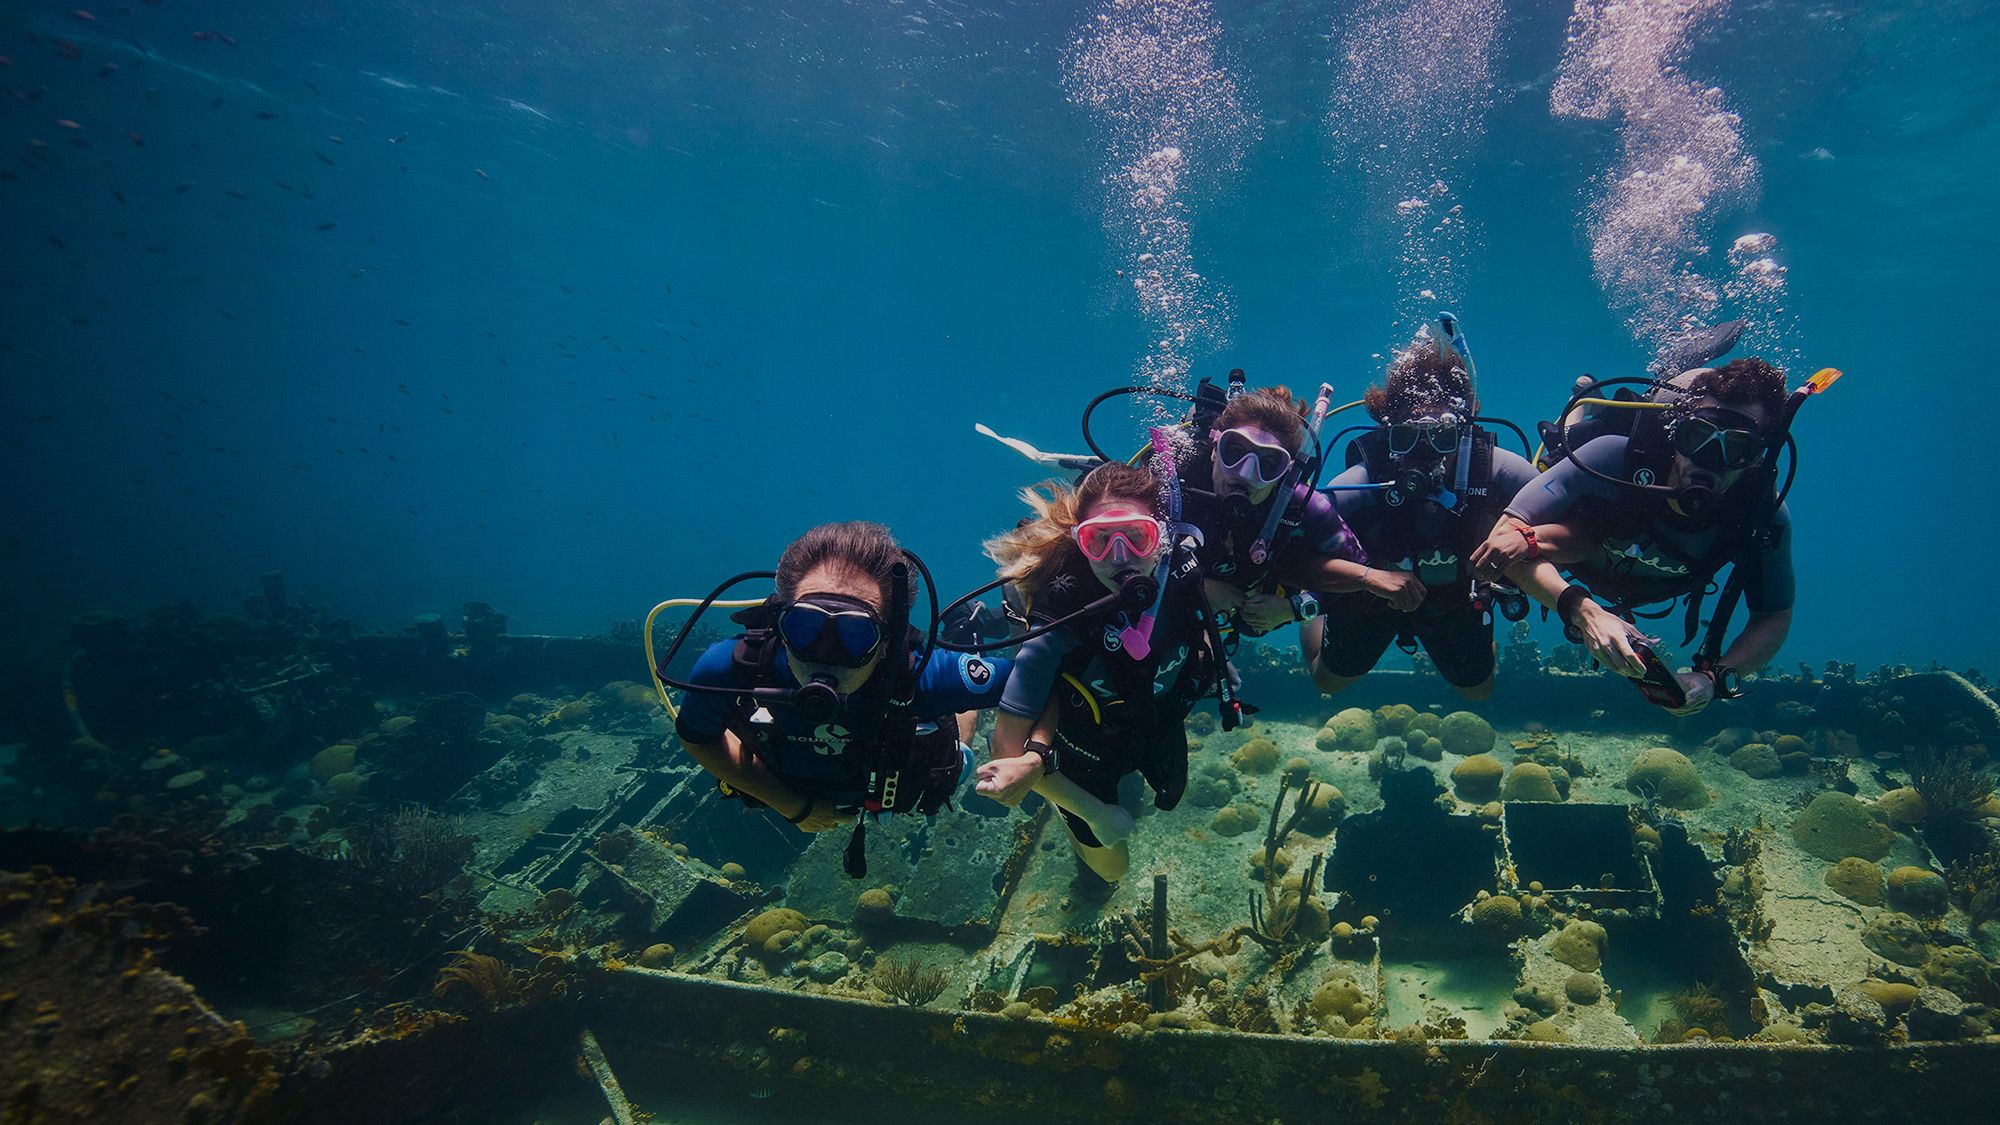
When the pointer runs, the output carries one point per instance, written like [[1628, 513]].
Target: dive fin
[[1698, 348], [1059, 460]]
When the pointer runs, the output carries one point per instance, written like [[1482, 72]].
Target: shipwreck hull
[[663, 1028]]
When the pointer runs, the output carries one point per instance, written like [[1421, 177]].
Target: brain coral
[[771, 923], [1258, 755], [1463, 732], [1393, 718], [1836, 826], [1669, 776], [1352, 730], [1580, 945], [1529, 782], [1857, 879], [1477, 778]]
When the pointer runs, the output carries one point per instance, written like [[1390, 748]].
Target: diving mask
[[1717, 440], [1440, 435], [1138, 536], [831, 629], [1250, 460]]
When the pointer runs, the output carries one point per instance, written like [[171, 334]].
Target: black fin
[[1698, 348]]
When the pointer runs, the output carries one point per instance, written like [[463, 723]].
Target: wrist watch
[[1043, 751], [1727, 684]]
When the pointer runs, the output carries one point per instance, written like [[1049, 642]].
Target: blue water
[[618, 301]]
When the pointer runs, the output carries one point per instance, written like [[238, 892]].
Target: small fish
[[234, 194], [118, 195], [313, 88], [335, 138], [482, 173], [84, 16], [182, 187], [267, 115], [399, 138], [137, 140], [325, 159], [107, 70], [66, 123], [58, 243], [326, 226], [402, 322], [67, 49]]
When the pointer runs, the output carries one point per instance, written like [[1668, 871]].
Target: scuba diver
[[829, 704], [1422, 489], [1269, 542], [1103, 683], [1646, 499]]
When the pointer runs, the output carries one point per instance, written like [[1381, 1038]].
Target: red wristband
[[1534, 545]]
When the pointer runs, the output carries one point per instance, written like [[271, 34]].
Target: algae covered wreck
[[322, 875]]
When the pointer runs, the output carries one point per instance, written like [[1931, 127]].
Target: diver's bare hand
[[821, 815], [1700, 692], [1507, 545], [1399, 588], [1265, 612], [1008, 780], [1609, 639]]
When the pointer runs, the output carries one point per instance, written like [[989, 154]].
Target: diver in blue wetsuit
[[1418, 516], [807, 712], [1652, 513]]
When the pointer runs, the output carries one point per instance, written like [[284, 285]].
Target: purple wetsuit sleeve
[[1327, 535]]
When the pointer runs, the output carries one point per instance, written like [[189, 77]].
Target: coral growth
[[489, 978], [910, 980]]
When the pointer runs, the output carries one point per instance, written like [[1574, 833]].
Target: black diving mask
[[1719, 441], [831, 629], [1440, 437]]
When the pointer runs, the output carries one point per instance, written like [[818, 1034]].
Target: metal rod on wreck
[[1157, 991], [600, 1068]]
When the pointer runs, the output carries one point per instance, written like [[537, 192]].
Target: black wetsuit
[[1646, 553], [1436, 545], [1229, 531], [1117, 713]]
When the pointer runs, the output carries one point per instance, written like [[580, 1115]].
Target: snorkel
[[1420, 475]]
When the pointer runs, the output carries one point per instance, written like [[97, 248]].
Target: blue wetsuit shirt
[[815, 756]]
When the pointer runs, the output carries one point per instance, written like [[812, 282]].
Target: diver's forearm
[[1762, 636], [728, 763], [1539, 579], [1329, 576]]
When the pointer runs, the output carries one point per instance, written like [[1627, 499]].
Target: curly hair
[[1037, 548], [858, 546], [1743, 382], [1421, 379], [1272, 409]]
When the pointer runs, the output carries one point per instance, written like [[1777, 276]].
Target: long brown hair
[[1037, 548]]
